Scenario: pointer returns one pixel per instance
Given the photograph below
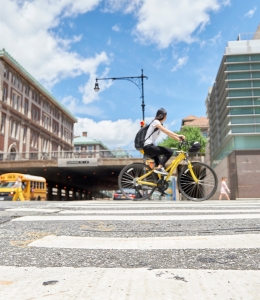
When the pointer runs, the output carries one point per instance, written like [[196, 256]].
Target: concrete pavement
[[128, 250]]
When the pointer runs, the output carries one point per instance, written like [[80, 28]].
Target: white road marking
[[151, 243], [33, 209], [158, 211], [139, 218], [169, 204], [128, 284]]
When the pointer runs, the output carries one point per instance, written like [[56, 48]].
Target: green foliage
[[192, 134]]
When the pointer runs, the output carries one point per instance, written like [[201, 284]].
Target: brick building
[[31, 119], [201, 122]]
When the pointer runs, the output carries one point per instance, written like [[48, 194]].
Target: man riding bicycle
[[159, 154]]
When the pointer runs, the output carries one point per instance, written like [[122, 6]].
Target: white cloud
[[77, 108], [181, 61], [251, 12], [213, 41], [116, 27], [27, 33], [165, 22], [120, 133], [87, 90]]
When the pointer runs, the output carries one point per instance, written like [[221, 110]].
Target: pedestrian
[[159, 154], [224, 190], [18, 190]]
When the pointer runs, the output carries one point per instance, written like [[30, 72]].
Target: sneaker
[[161, 171]]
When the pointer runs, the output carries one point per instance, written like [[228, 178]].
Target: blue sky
[[66, 44]]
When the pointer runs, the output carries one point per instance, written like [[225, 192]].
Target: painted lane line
[[139, 218], [130, 284], [164, 206], [151, 243], [158, 211], [33, 209]]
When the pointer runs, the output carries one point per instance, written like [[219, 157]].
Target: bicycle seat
[[147, 156]]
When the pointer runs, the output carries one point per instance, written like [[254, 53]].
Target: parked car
[[120, 196]]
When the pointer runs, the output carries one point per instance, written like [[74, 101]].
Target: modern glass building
[[233, 103]]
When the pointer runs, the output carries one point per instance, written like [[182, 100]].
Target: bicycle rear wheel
[[127, 181], [204, 188]]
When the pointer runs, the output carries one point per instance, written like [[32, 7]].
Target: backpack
[[140, 138]]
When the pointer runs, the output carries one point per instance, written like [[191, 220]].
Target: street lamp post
[[137, 80]]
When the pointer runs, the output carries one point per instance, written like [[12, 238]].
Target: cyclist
[[159, 154]]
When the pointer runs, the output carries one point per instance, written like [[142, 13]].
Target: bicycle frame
[[170, 169]]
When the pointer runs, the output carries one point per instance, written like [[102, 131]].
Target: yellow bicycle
[[196, 181]]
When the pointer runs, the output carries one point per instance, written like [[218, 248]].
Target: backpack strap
[[152, 132]]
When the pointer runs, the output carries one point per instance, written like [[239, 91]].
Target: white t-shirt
[[155, 135]]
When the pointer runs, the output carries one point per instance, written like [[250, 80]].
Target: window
[[237, 58], [27, 90], [241, 111], [240, 102], [242, 120], [238, 67], [45, 145], [14, 130], [26, 107], [255, 74], [238, 75], [240, 93], [15, 101], [256, 83], [6, 73], [255, 66], [67, 136], [5, 89], [24, 134], [243, 129], [46, 121], [55, 127], [36, 97], [256, 92], [35, 114], [239, 84], [34, 139], [3, 117]]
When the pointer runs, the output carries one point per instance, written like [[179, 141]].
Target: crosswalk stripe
[[139, 218], [151, 243], [128, 283], [158, 211]]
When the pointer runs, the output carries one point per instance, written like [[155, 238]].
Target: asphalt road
[[130, 250]]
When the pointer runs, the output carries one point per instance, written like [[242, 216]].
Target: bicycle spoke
[[201, 190], [128, 179]]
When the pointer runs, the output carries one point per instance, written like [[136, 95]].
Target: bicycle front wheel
[[127, 181], [201, 190]]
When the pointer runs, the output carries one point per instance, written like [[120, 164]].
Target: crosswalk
[[129, 250]]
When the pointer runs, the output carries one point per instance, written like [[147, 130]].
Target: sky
[[66, 45]]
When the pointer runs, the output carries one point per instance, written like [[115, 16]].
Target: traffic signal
[[142, 123]]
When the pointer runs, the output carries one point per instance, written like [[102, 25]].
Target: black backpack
[[140, 137]]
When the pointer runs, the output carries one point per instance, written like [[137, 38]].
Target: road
[[120, 250]]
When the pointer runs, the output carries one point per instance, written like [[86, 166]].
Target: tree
[[192, 134]]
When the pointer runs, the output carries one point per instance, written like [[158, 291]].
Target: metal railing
[[55, 155]]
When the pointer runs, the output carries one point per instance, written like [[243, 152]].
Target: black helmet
[[161, 113], [195, 147]]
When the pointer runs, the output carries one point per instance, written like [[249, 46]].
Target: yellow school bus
[[34, 187]]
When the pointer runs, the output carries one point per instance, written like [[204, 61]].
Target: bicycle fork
[[192, 172]]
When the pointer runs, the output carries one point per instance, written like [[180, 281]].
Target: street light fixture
[[137, 80]]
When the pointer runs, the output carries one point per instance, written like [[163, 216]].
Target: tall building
[[233, 109], [31, 119]]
